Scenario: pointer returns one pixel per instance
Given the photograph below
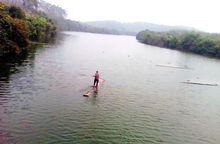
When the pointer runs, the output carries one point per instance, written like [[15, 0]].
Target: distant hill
[[135, 27], [71, 25], [58, 16]]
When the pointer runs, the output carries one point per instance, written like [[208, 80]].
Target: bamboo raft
[[170, 66], [93, 89], [197, 83]]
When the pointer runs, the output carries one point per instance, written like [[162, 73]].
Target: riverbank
[[18, 28], [206, 44]]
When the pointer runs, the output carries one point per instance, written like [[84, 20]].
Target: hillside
[[71, 25], [135, 27]]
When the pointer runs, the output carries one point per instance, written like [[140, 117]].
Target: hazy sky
[[201, 14]]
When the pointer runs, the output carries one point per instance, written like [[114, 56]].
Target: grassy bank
[[196, 42], [18, 28]]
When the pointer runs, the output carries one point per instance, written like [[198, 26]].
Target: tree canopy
[[17, 29], [193, 41]]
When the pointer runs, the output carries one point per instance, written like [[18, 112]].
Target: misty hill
[[58, 16], [71, 25], [135, 27]]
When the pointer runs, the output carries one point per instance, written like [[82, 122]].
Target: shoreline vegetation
[[20, 27], [24, 22], [207, 44]]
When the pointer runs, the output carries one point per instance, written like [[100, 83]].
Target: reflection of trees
[[10, 67], [9, 64]]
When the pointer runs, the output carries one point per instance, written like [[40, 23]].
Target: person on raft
[[96, 79]]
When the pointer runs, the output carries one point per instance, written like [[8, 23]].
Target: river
[[41, 97]]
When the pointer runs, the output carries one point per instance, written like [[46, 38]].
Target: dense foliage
[[193, 41], [18, 28], [16, 12], [40, 28]]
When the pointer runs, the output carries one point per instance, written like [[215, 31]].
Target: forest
[[40, 21], [22, 22], [192, 41]]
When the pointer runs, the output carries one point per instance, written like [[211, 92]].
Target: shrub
[[20, 33], [13, 34], [193, 41], [40, 28], [16, 12], [2, 7], [16, 30]]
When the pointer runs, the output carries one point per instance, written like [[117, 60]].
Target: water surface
[[41, 97]]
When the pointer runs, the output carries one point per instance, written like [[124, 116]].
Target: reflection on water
[[41, 96]]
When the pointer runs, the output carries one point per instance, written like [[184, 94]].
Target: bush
[[13, 34], [40, 28], [2, 7], [20, 33], [16, 12], [193, 41], [16, 30]]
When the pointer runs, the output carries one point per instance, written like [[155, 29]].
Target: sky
[[200, 14]]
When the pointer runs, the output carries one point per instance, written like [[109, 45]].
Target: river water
[[41, 97]]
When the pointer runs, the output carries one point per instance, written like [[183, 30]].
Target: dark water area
[[41, 95]]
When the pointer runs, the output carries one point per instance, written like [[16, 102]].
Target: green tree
[[16, 12]]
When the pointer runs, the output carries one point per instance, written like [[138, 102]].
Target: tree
[[31, 4], [16, 12], [196, 42]]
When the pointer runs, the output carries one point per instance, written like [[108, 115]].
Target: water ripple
[[41, 99]]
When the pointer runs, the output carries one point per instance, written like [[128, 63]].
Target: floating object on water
[[90, 91], [170, 66], [197, 83], [93, 89]]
